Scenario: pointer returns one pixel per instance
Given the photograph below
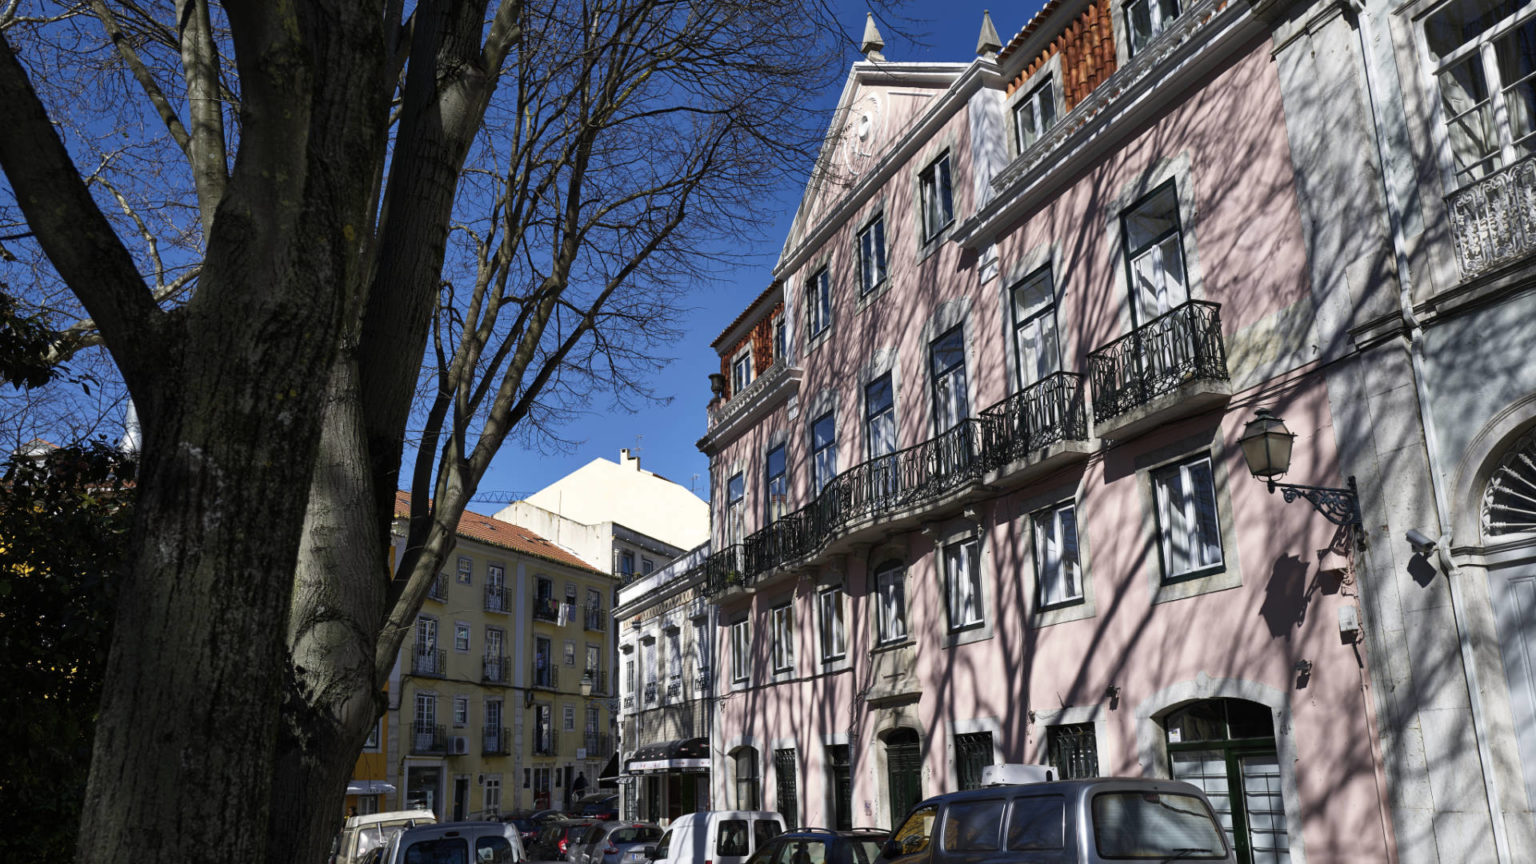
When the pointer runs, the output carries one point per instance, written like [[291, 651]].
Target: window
[[914, 834], [1189, 533], [1154, 251], [466, 571], [373, 737], [834, 640], [1033, 116], [594, 662], [495, 575], [460, 637], [460, 711], [1034, 329], [937, 199], [675, 658], [570, 653], [543, 674], [974, 826], [493, 713], [735, 509], [1482, 54], [627, 564], [778, 485], [647, 565], [823, 451], [880, 437], [842, 789], [891, 604], [426, 634], [1056, 565], [746, 783], [1073, 749], [962, 575], [782, 627], [731, 838], [569, 718], [629, 677], [951, 403], [780, 341], [492, 806], [741, 372], [818, 303], [1037, 822], [973, 752], [1145, 19], [872, 255], [741, 650], [784, 782], [426, 730]]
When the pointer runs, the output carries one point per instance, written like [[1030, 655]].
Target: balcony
[[428, 738], [545, 676], [597, 745], [650, 692], [432, 663], [438, 590], [496, 599], [594, 619], [546, 742], [768, 389], [546, 609], [495, 741], [1031, 427], [1173, 366], [1493, 221], [495, 670]]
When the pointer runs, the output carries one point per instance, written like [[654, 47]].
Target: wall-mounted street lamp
[[1267, 450]]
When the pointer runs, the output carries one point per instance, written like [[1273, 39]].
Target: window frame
[[935, 375], [1038, 276], [818, 481], [874, 231], [741, 370], [465, 570], [741, 650], [1043, 93], [818, 303], [735, 508], [1053, 512], [1154, 246], [460, 712], [461, 637], [1162, 522], [781, 630], [936, 180], [1157, 25], [898, 575], [835, 630], [769, 478], [978, 589]]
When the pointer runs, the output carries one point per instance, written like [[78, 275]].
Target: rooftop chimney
[[872, 41], [626, 460]]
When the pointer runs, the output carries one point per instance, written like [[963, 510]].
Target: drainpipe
[[1431, 441]]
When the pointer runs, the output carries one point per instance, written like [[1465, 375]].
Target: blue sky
[[923, 31]]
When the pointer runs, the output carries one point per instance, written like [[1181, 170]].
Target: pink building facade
[[978, 495]]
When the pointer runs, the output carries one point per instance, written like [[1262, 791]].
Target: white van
[[362, 834], [716, 837], [457, 842]]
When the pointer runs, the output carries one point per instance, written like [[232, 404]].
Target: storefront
[[668, 779]]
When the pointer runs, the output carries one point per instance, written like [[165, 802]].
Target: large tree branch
[[142, 75], [200, 65], [69, 226]]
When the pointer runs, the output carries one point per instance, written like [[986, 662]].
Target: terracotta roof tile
[[494, 532], [775, 284]]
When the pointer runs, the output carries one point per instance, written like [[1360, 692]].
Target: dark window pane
[[973, 826], [1037, 822], [731, 838]]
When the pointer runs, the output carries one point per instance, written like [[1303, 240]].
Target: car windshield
[[1155, 825]]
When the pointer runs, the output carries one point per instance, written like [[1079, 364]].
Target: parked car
[[527, 826], [457, 842], [1078, 821], [607, 842], [556, 839], [716, 836], [361, 834], [603, 806], [822, 846]]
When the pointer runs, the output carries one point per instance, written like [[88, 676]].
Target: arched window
[[903, 771], [748, 792], [1227, 748], [1509, 502]]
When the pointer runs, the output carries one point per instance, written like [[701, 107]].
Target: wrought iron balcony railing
[[428, 738], [595, 619], [1180, 346], [546, 609], [546, 742], [597, 744], [432, 663], [494, 670], [1493, 220], [545, 675], [650, 692], [1046, 413], [496, 599], [496, 741], [629, 700], [439, 589]]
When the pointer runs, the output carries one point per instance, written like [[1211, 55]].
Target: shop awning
[[369, 787], [684, 754], [609, 778]]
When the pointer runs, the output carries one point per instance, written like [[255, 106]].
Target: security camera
[[1421, 543]]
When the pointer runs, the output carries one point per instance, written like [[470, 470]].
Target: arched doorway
[[1227, 748], [1507, 529], [903, 771]]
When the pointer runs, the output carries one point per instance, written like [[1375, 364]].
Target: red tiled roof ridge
[[1029, 29], [494, 532], [777, 283]]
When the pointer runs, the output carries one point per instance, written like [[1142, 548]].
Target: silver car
[[607, 842]]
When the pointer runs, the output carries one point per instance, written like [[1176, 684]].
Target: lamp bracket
[[1339, 506]]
